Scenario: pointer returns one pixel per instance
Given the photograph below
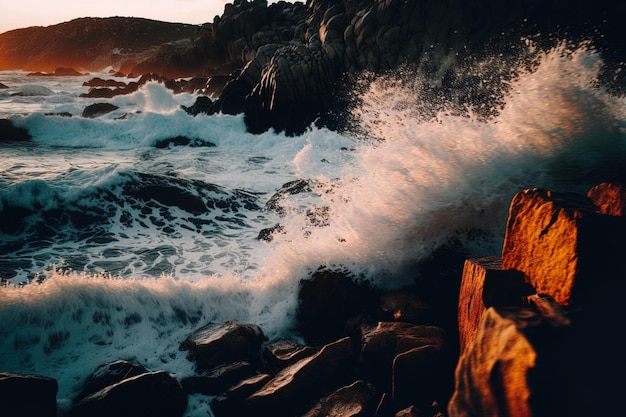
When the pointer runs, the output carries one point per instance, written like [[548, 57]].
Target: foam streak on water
[[176, 227]]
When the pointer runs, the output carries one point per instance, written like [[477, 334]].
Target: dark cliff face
[[88, 44]]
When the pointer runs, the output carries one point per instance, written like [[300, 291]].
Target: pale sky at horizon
[[16, 14]]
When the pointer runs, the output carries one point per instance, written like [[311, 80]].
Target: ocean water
[[114, 246]]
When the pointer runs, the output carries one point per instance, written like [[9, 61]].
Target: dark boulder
[[11, 133], [381, 345], [216, 84], [232, 402], [99, 82], [234, 97], [328, 301], [356, 400], [219, 343], [183, 141], [154, 394], [202, 105], [293, 388], [218, 379], [66, 72], [290, 188], [98, 109], [109, 374], [268, 233], [27, 395], [406, 306], [280, 353]]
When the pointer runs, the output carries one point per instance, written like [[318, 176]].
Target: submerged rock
[[11, 133], [98, 109], [183, 141]]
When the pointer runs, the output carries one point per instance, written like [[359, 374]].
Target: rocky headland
[[537, 330], [287, 65]]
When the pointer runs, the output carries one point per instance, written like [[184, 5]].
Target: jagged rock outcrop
[[552, 345], [609, 198], [287, 86]]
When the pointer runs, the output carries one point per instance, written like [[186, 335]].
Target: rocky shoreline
[[538, 331], [288, 65]]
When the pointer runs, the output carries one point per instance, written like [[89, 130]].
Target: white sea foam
[[431, 181]]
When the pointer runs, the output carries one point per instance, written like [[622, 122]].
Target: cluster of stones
[[542, 326], [540, 332], [367, 354]]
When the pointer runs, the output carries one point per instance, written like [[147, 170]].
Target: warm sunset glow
[[25, 13]]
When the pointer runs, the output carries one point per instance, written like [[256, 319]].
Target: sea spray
[[425, 182]]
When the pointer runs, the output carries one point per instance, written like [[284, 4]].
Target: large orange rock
[[484, 284], [544, 360], [564, 247], [491, 376], [609, 198]]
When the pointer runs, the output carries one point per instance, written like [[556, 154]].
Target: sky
[[15, 14]]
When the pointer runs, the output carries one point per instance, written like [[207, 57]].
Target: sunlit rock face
[[609, 198], [558, 351], [564, 247], [485, 284]]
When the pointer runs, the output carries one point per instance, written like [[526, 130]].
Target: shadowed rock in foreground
[[523, 352]]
